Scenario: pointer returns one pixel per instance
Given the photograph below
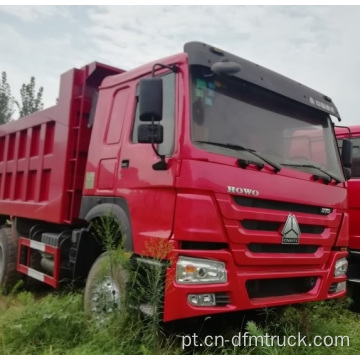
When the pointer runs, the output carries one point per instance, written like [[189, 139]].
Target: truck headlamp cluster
[[200, 271], [341, 267]]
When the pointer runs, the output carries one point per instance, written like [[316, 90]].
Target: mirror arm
[[344, 127], [173, 68]]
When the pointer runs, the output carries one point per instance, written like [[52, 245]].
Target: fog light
[[341, 267], [202, 299], [341, 286]]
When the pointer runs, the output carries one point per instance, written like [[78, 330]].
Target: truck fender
[[115, 211]]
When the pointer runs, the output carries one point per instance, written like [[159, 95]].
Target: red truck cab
[[239, 174]]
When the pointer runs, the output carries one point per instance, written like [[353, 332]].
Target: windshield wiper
[[311, 166], [242, 162]]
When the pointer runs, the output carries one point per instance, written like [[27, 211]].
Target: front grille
[[222, 299], [279, 287], [282, 249], [275, 226], [261, 225], [311, 229], [203, 245], [278, 205]]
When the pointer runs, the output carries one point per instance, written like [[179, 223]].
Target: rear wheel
[[8, 254], [105, 288]]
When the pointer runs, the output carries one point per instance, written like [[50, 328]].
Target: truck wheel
[[105, 288], [8, 252]]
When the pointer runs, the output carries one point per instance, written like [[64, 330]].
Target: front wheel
[[105, 287]]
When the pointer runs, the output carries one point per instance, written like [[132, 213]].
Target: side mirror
[[346, 153], [151, 99], [150, 134], [346, 157]]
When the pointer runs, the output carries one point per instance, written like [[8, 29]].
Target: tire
[[105, 288], [8, 255]]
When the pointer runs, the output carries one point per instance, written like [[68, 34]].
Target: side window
[[168, 121], [355, 166], [117, 116]]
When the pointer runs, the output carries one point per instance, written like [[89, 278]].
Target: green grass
[[56, 324]]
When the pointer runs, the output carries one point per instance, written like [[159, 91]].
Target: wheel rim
[[105, 298]]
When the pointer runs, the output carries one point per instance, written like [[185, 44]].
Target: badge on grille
[[291, 231]]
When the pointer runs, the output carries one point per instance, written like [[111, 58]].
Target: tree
[[6, 100], [31, 101]]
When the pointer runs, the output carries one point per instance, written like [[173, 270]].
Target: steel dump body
[[43, 155]]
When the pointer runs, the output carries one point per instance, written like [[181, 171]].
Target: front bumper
[[252, 287]]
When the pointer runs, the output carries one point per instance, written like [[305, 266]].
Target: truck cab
[[253, 194]]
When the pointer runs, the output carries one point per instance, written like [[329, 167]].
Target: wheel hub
[[106, 297]]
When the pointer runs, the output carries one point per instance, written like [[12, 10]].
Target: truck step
[[27, 246], [37, 275]]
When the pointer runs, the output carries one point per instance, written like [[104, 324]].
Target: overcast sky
[[318, 46]]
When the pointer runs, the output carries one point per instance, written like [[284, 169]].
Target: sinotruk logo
[[291, 231]]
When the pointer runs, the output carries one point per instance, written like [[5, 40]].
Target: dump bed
[[43, 155]]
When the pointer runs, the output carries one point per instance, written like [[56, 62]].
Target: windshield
[[229, 111]]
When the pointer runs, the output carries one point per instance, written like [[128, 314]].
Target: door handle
[[125, 164]]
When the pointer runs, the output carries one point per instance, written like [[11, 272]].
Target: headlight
[[341, 267], [199, 271]]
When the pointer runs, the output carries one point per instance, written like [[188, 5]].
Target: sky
[[317, 46]]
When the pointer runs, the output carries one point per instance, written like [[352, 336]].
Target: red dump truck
[[353, 133], [232, 165]]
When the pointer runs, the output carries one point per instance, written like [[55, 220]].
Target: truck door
[[111, 148], [150, 193]]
